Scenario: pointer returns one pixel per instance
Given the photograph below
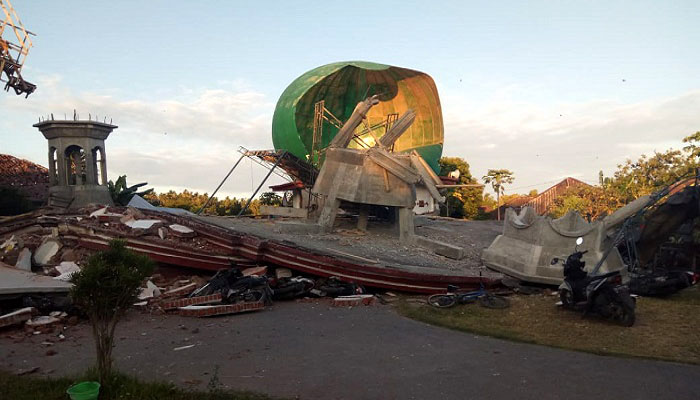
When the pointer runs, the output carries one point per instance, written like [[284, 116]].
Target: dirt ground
[[315, 351]]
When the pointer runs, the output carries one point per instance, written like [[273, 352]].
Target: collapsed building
[[650, 239], [359, 142]]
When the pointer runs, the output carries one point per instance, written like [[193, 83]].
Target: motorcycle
[[599, 294]]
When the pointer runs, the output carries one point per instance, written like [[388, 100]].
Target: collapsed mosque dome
[[341, 86]]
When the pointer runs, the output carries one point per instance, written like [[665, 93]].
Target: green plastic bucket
[[84, 391]]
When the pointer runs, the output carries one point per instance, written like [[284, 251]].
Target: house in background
[[540, 203], [543, 200], [29, 179]]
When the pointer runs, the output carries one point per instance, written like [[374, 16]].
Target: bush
[[105, 288]]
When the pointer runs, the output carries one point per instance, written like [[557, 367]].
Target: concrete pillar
[[406, 226], [90, 168], [363, 217], [103, 166], [52, 167], [61, 163], [326, 219]]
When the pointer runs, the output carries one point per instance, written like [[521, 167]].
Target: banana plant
[[122, 194]]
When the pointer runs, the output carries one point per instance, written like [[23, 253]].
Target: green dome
[[342, 85]]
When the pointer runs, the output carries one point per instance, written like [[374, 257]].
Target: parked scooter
[[599, 294]]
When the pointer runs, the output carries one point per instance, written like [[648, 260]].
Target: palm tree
[[497, 178]]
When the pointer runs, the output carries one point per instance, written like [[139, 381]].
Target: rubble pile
[[51, 247], [31, 180], [233, 291]]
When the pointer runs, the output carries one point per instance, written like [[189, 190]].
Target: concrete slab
[[47, 250], [14, 281], [24, 260], [290, 212], [441, 248]]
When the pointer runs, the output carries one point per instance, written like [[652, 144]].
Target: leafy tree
[[193, 201], [591, 202], [632, 180], [105, 288], [461, 202], [532, 193], [270, 199], [649, 174], [693, 148], [498, 178], [122, 194]]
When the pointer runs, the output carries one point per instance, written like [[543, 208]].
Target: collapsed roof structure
[[627, 240]]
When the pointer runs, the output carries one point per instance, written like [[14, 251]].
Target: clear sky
[[546, 89]]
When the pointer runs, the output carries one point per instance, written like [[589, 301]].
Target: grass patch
[[666, 328], [121, 387]]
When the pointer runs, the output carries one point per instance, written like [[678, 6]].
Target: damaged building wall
[[530, 242]]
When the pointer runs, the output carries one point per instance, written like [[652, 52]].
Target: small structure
[[77, 162]]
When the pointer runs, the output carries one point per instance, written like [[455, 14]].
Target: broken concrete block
[[24, 260], [41, 321], [181, 230], [151, 290], [17, 317], [46, 251], [99, 212], [70, 255], [66, 269], [135, 212], [142, 223], [441, 248], [259, 271]]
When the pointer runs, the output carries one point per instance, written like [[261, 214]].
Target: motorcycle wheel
[[493, 301], [442, 300], [567, 298]]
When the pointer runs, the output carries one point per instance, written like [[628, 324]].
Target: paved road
[[317, 352]]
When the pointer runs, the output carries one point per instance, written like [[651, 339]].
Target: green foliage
[[632, 180], [105, 288], [119, 386], [270, 199], [122, 194], [498, 178], [461, 202], [590, 201], [12, 202], [693, 146], [193, 201]]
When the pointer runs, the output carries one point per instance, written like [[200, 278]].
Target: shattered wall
[[530, 242]]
